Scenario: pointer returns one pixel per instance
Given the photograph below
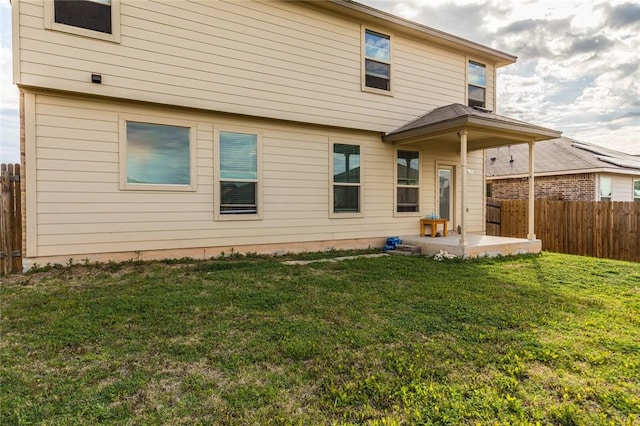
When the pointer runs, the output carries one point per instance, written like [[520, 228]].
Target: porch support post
[[531, 235], [463, 186]]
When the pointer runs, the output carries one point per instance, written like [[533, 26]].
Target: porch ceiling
[[485, 129]]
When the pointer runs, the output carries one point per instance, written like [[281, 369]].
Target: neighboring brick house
[[564, 169]]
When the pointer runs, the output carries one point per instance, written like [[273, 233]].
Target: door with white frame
[[446, 193]]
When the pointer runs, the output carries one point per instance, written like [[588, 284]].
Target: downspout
[[531, 235], [463, 134]]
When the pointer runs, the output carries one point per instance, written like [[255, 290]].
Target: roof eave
[[522, 132]]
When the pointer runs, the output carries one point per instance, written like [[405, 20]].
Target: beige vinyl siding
[[491, 88], [283, 60], [475, 192], [79, 207], [621, 187]]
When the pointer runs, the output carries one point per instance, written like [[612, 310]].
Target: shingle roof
[[485, 128], [454, 112], [559, 155]]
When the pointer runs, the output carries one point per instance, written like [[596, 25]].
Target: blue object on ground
[[391, 243]]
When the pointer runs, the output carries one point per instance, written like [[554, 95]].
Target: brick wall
[[577, 187]]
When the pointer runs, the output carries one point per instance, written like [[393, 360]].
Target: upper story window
[[377, 61], [91, 18], [477, 78], [157, 154], [408, 181], [346, 178], [636, 190], [90, 14]]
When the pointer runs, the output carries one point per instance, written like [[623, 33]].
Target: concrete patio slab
[[478, 245]]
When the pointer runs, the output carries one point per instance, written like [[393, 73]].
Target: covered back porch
[[467, 129]]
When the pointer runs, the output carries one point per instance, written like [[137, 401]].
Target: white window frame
[[600, 180], [454, 200], [635, 197], [469, 61], [365, 88], [193, 172], [216, 176], [396, 213], [339, 215], [51, 24]]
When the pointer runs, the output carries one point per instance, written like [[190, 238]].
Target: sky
[[578, 68]]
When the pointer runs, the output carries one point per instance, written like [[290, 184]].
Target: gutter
[[566, 173]]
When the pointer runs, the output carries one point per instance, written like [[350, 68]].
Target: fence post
[[5, 222], [10, 220], [16, 187]]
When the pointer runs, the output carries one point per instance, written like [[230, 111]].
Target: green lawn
[[550, 339]]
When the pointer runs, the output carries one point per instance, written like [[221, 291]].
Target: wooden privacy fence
[[10, 220], [590, 228], [494, 209]]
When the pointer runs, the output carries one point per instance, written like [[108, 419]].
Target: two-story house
[[185, 128]]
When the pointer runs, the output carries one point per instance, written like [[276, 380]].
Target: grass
[[550, 339]]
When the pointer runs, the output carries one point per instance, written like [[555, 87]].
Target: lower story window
[[157, 154], [605, 188], [636, 190], [346, 199], [408, 182], [238, 173], [238, 198], [346, 178]]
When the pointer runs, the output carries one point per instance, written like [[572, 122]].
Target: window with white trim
[[605, 188], [90, 18], [636, 190], [157, 154], [346, 178], [377, 61], [238, 173], [408, 181], [477, 87]]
